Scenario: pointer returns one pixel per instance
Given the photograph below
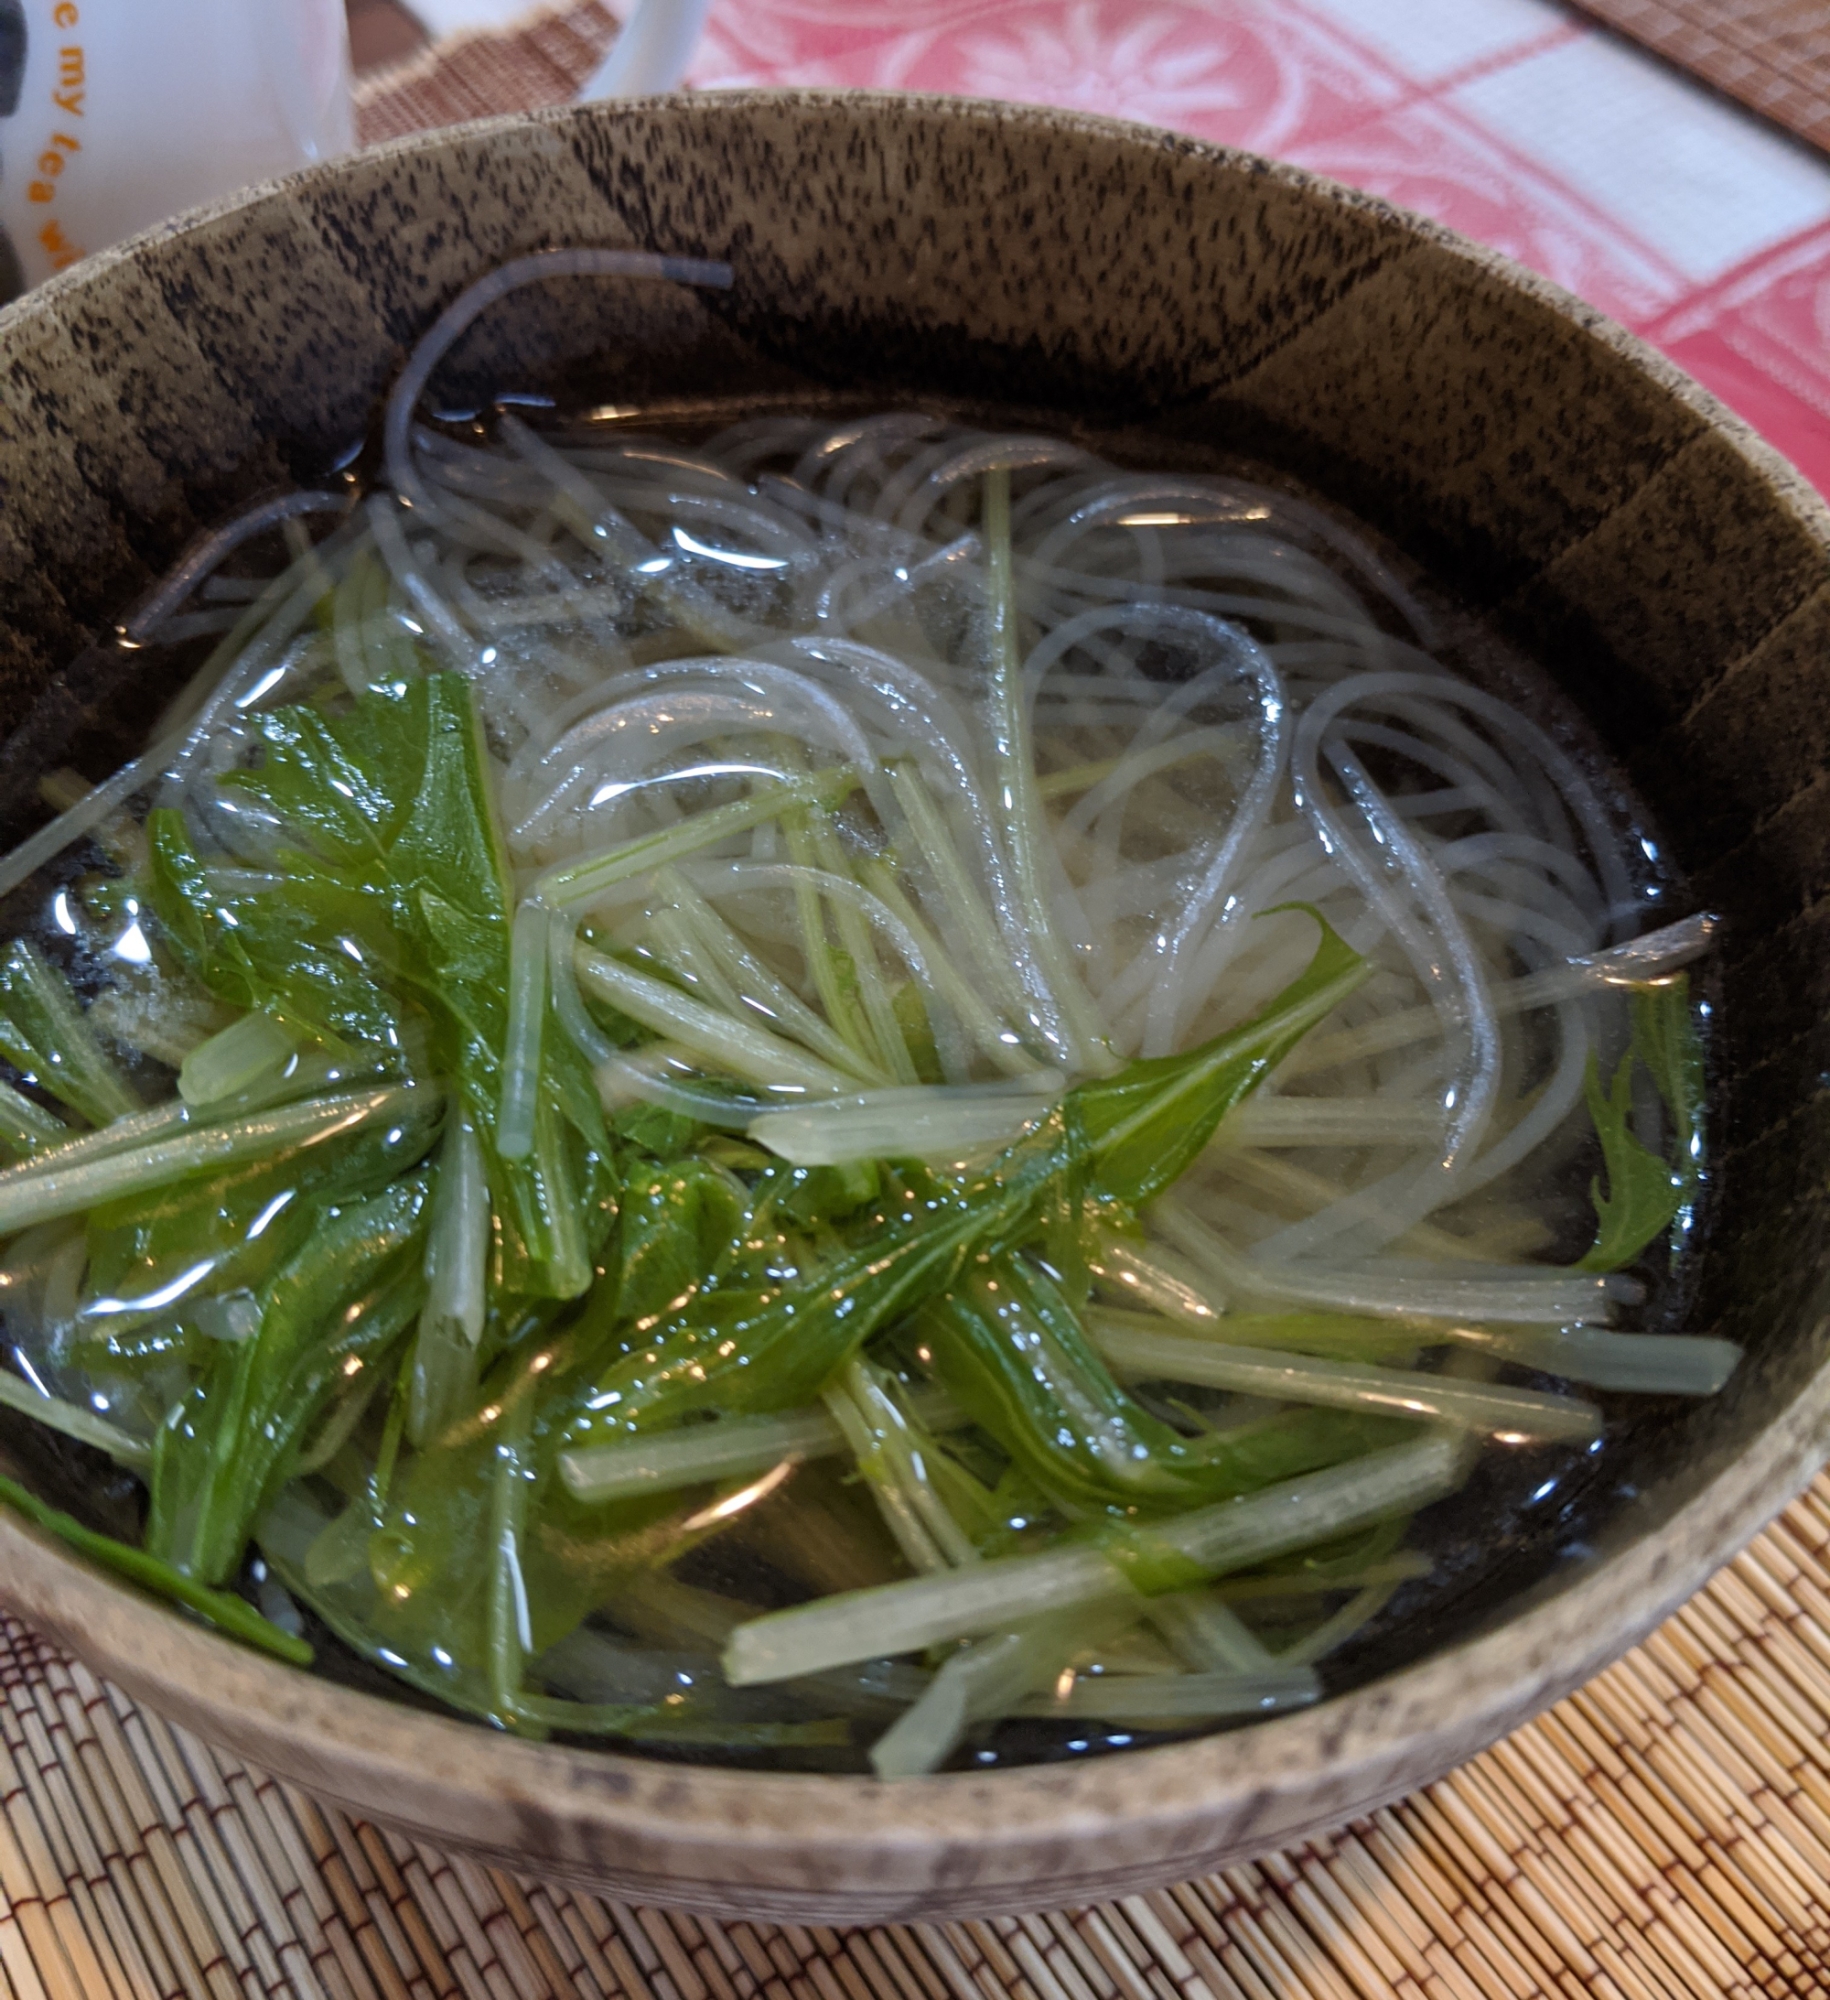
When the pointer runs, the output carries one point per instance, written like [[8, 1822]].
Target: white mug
[[117, 113]]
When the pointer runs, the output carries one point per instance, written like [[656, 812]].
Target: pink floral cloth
[[1514, 121]]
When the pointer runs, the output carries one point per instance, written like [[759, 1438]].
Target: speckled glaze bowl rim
[[964, 1842]]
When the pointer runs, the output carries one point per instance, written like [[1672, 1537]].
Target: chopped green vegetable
[[27, 1128], [444, 1367], [1009, 1349], [212, 1233], [1146, 1124], [44, 1036], [221, 1608], [679, 1224], [396, 892], [986, 1597], [1644, 1193], [752, 1343], [330, 1311]]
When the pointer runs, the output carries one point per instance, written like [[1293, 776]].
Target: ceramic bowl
[[1669, 570]]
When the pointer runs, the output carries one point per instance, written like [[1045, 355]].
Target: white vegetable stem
[[986, 1678], [574, 882], [1512, 1415], [1653, 1364], [75, 1422], [242, 1056], [986, 1596], [457, 1259], [1359, 1610], [1207, 1633], [1174, 1698], [988, 953], [302, 1077], [1533, 1295], [732, 1448], [920, 1122], [722, 1040], [42, 1196], [887, 1448], [521, 1044]]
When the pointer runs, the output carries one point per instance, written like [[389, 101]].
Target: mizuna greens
[[827, 1093]]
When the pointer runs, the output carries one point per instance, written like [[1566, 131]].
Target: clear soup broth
[[842, 1090]]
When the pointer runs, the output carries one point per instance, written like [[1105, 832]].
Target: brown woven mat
[[1663, 1835], [1771, 55]]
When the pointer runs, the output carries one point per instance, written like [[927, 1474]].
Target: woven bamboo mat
[[1771, 55], [1663, 1835]]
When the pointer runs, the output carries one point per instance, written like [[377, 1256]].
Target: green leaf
[[657, 1131], [307, 952], [331, 1310], [359, 1616], [220, 1608], [237, 1224], [1008, 1348], [717, 1311], [44, 1036], [755, 1343], [396, 902], [679, 1224], [1665, 1037], [760, 1343], [807, 1197], [1014, 1511], [1642, 1193], [1149, 1121], [427, 1583]]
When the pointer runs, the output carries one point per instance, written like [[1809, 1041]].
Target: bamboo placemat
[[1771, 55], [1662, 1835]]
